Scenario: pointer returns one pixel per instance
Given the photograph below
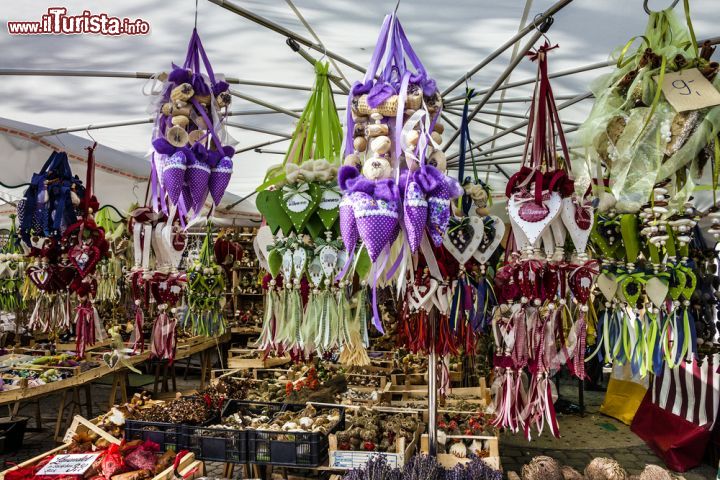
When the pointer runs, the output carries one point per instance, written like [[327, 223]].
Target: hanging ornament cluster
[[191, 155], [544, 288], [301, 195], [205, 292], [12, 266], [649, 152], [66, 244], [156, 284], [393, 181], [307, 309]]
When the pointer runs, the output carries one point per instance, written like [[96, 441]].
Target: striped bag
[[678, 413]]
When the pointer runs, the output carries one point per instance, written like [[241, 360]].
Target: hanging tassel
[[163, 341], [354, 353], [84, 326], [138, 335]]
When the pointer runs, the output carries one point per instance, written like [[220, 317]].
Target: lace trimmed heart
[[84, 257], [533, 229], [463, 237]]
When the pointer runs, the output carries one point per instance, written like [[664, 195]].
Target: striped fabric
[[690, 390]]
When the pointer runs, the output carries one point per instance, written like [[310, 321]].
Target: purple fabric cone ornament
[[415, 208], [219, 179], [348, 227], [173, 175], [439, 198], [197, 176], [376, 215]]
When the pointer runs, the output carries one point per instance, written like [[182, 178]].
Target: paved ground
[[583, 438]]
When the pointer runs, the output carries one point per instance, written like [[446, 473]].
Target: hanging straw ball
[[654, 472], [542, 468], [605, 469], [570, 473]]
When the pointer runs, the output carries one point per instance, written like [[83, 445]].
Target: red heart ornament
[[84, 257], [41, 276], [532, 212]]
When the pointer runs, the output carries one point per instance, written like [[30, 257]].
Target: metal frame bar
[[498, 82], [263, 103], [275, 27], [515, 38], [262, 144], [142, 76], [524, 123]]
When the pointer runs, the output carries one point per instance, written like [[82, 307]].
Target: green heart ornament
[[329, 204], [299, 201], [268, 204], [274, 262], [315, 227], [677, 283]]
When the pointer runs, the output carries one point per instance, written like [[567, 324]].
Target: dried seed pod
[[182, 93], [439, 128], [180, 121], [360, 144], [412, 137], [195, 136], [380, 145], [224, 99], [177, 136], [167, 108], [436, 137]]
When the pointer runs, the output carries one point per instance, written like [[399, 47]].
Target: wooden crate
[[449, 461], [348, 459], [234, 360], [71, 347], [352, 378], [418, 393]]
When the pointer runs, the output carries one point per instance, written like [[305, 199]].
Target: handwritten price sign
[[69, 464], [689, 90]]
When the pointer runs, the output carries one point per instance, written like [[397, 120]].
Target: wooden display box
[[236, 360], [418, 393], [349, 459], [188, 466], [449, 461]]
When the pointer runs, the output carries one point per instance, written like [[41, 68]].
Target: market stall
[[397, 293]]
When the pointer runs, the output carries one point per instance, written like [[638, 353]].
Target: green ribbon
[[302, 190]]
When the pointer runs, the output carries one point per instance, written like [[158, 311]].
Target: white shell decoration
[[381, 144], [458, 450]]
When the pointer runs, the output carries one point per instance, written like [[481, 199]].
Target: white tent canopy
[[449, 37]]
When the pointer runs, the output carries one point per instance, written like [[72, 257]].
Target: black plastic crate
[[217, 444], [12, 433], [306, 449], [167, 435]]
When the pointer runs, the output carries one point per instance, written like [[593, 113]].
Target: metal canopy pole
[[140, 76], [514, 63], [275, 27], [432, 387], [256, 129], [258, 145], [295, 47], [516, 38], [263, 103]]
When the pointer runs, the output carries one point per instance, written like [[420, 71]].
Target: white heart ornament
[[287, 265], [483, 255], [521, 240], [299, 261], [315, 271], [607, 285], [263, 238], [464, 241], [657, 291], [421, 296], [442, 299], [328, 260], [534, 230], [578, 234]]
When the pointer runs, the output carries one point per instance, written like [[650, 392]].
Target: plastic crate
[[12, 433], [302, 449], [217, 444], [167, 435]]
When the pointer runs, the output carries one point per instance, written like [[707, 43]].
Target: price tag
[[69, 464], [689, 90]]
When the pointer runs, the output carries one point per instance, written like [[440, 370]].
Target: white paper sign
[[69, 464], [689, 90], [330, 200]]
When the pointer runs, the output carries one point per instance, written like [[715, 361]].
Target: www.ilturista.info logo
[[58, 22]]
